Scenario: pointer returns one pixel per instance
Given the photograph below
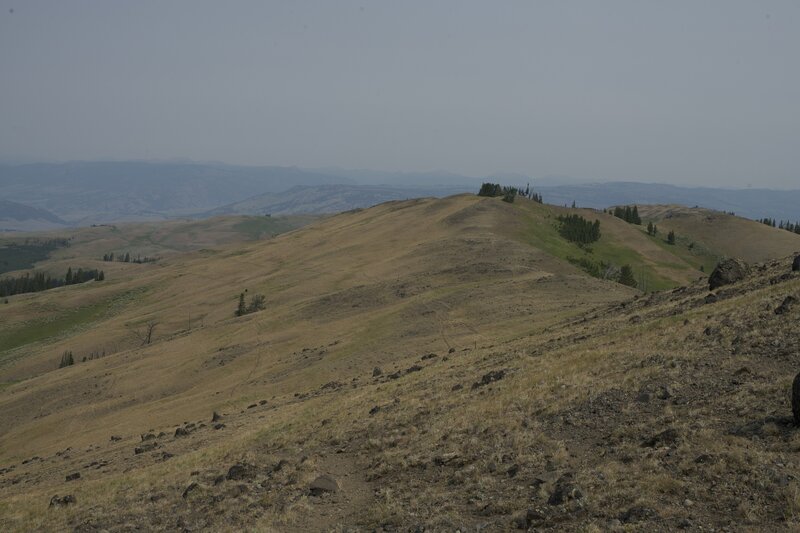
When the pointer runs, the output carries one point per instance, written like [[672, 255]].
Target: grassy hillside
[[441, 359], [721, 234]]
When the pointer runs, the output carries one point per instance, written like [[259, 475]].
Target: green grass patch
[[257, 227], [24, 255], [50, 328], [55, 327], [540, 229]]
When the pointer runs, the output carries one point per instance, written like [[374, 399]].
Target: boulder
[[323, 484], [241, 471], [62, 501], [786, 306], [796, 264], [565, 490], [728, 271]]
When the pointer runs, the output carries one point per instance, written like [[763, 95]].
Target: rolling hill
[[19, 217], [753, 203], [428, 364], [324, 199]]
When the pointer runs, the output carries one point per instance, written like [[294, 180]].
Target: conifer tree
[[626, 276]]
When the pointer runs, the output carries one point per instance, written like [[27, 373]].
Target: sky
[[681, 92]]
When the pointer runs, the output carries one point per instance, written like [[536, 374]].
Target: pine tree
[[66, 359], [671, 237], [68, 280], [635, 218], [626, 276]]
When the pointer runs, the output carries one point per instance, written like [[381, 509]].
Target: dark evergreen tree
[[66, 359], [671, 237], [509, 195], [626, 276], [635, 218]]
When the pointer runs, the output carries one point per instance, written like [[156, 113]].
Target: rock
[[786, 306], [279, 465], [323, 484], [565, 491], [664, 392], [710, 299], [73, 476], [241, 471], [253, 405], [728, 271], [638, 514], [62, 501], [453, 350], [665, 438], [181, 432], [216, 417], [796, 264], [796, 400], [527, 519], [375, 409], [376, 372], [150, 446], [191, 488], [446, 458], [115, 438], [513, 470], [262, 402], [148, 436], [491, 377], [413, 368], [219, 426]]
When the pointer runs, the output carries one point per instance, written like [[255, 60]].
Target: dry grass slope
[[513, 391]]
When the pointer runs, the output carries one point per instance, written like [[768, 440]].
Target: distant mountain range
[[85, 193]]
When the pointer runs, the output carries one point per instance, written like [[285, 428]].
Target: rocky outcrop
[[728, 271]]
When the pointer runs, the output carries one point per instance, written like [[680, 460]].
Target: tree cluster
[[66, 359], [628, 214], [509, 193], [577, 229], [671, 237], [788, 226], [257, 303], [127, 258], [38, 281], [603, 270], [652, 229]]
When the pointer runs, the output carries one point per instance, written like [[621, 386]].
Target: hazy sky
[[679, 92]]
